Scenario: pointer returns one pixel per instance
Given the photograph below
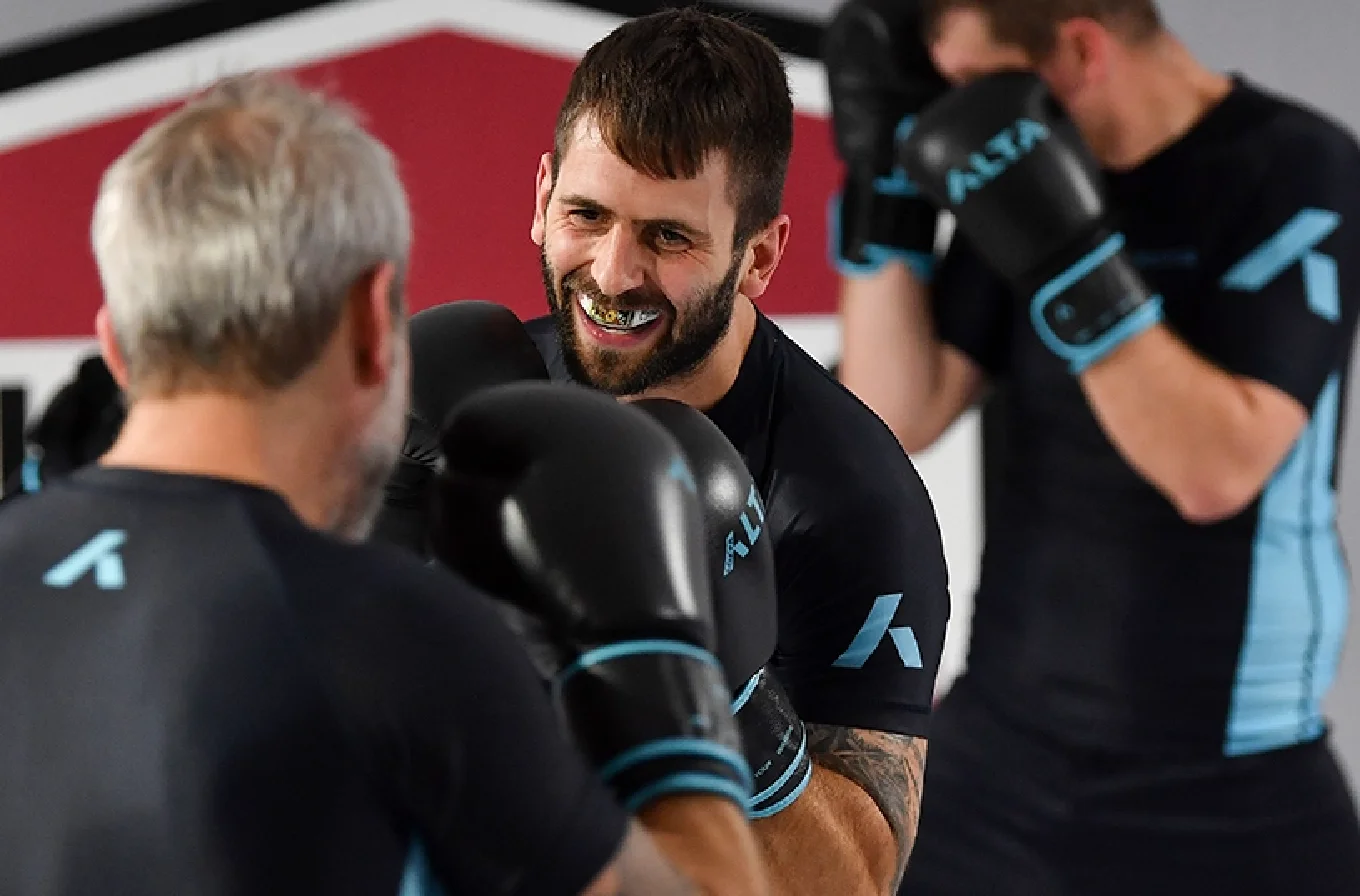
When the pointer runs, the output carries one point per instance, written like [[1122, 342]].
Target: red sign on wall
[[467, 118]]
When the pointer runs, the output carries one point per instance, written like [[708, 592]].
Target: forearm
[[1185, 425], [890, 353], [853, 828], [686, 846], [833, 840]]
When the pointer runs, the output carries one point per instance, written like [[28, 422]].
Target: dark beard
[[686, 344]]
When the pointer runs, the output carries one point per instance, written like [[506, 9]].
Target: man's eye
[[673, 239], [584, 215]]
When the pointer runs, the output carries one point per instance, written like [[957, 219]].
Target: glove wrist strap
[[1094, 305], [874, 221], [775, 741], [654, 717]]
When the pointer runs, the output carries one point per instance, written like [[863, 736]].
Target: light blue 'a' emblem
[[100, 555], [871, 634]]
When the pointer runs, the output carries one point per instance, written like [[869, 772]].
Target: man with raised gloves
[[1003, 157], [1151, 275]]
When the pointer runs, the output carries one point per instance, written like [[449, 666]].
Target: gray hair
[[229, 235]]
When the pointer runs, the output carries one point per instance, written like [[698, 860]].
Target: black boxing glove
[[741, 571], [456, 349], [879, 75], [1001, 154], [79, 424], [580, 512]]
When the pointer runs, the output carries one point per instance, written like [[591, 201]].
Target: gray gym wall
[[1302, 47]]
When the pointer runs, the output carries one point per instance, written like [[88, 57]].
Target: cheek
[[567, 249], [684, 282]]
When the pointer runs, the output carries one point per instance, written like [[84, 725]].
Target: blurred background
[[465, 93]]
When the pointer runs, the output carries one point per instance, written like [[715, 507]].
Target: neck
[[1162, 94], [711, 380], [271, 443]]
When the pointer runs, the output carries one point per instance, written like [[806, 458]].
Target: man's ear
[[1081, 56], [372, 332], [543, 188], [109, 347], [764, 253]]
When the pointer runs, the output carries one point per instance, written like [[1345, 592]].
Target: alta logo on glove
[[735, 546], [1009, 146]]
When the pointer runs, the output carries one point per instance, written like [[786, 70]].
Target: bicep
[[1277, 418], [863, 605], [888, 767]]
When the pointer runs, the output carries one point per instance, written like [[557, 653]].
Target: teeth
[[613, 319]]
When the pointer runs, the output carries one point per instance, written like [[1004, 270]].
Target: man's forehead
[[590, 166]]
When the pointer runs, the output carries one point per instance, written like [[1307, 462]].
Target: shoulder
[[378, 584], [1303, 127], [830, 440], [1299, 139], [837, 464]]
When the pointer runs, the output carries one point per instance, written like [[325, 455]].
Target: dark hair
[[668, 89], [1032, 25]]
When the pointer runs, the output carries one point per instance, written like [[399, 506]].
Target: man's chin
[[608, 376]]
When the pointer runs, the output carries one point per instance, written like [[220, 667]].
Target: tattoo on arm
[[888, 767]]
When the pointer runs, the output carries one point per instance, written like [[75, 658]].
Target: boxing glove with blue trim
[[741, 572], [456, 349], [879, 75], [580, 514], [1003, 157]]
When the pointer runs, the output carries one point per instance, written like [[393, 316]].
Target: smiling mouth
[[614, 319]]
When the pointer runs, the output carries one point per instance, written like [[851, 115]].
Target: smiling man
[[658, 216]]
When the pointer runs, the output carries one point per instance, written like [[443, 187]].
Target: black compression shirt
[[859, 565], [202, 695], [1102, 616]]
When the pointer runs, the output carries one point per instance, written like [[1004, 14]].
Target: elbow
[[1213, 497]]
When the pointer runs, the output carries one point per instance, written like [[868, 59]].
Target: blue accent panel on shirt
[[1321, 286], [1299, 236], [1298, 603]]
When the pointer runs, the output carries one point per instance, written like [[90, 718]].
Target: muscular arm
[[894, 362], [1210, 425], [861, 807], [1207, 439]]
